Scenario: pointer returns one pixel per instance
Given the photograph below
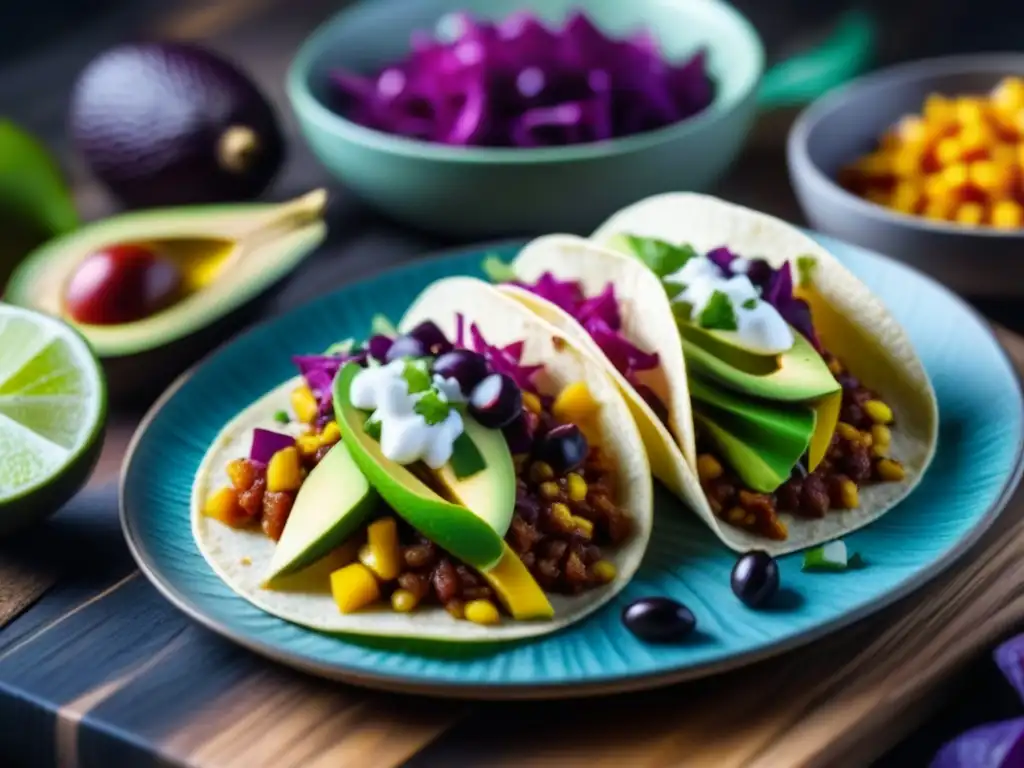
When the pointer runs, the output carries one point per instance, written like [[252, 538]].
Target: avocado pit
[[121, 284]]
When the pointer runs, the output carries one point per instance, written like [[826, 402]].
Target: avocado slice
[[761, 441], [332, 503], [228, 255], [470, 534]]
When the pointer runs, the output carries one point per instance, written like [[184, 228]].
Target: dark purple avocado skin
[[147, 119]]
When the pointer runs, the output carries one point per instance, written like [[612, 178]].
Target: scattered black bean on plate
[[658, 619], [755, 578]]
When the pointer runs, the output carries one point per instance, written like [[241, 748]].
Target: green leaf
[[718, 314], [660, 257], [281, 417], [673, 289], [750, 304], [372, 427], [432, 407], [805, 266], [496, 270], [417, 376], [380, 325], [466, 458], [682, 311]]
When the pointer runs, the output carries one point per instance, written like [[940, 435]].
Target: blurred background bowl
[[473, 192], [846, 123]]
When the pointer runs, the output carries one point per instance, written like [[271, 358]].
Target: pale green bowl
[[471, 192]]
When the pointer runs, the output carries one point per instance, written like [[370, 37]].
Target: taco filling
[[781, 425], [494, 490]]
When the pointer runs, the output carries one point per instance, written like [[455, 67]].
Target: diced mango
[[382, 539], [949, 150], [223, 505], [970, 213], [304, 404], [907, 197], [308, 443], [284, 471], [991, 179], [354, 587], [575, 404], [1007, 214], [241, 473]]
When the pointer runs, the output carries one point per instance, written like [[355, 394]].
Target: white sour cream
[[759, 328], [405, 436]]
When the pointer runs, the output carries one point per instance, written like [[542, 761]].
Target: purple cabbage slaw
[[518, 83], [600, 317], [319, 371], [776, 286], [993, 745], [504, 360]]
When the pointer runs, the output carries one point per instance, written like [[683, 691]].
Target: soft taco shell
[[242, 558], [853, 323]]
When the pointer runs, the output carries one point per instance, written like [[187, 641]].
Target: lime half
[[52, 410]]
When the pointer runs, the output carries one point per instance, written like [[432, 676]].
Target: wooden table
[[96, 669]]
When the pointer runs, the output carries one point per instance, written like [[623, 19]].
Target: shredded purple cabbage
[[265, 443], [518, 83], [776, 287], [600, 316], [993, 745], [504, 360], [319, 371]]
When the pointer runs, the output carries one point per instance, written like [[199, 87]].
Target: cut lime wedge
[[52, 410]]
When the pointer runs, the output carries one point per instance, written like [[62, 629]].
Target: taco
[[776, 395], [469, 476]]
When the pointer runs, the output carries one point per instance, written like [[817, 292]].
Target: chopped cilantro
[[496, 270], [432, 407], [749, 304], [281, 417], [673, 289], [660, 257], [718, 314], [372, 427], [682, 311], [805, 270], [417, 375]]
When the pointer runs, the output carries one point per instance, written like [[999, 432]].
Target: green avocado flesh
[[332, 503], [797, 375], [762, 442], [228, 255], [470, 533]]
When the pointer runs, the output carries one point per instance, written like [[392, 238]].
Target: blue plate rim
[[398, 683]]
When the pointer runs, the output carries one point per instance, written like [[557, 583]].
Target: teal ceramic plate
[[976, 467]]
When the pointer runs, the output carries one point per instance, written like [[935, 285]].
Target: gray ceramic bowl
[[848, 121]]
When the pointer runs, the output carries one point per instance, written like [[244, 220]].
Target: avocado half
[[230, 256]]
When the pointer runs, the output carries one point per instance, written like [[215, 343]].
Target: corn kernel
[[540, 470], [890, 470], [1007, 214], [736, 515], [482, 612], [574, 404], [938, 110], [223, 506], [866, 439], [848, 432], [382, 539], [878, 196], [878, 412], [970, 213], [912, 129], [603, 571], [549, 489], [849, 498], [708, 467], [948, 151], [880, 451], [939, 209], [584, 527], [307, 444], [955, 177], [990, 178], [976, 140], [331, 433], [284, 471], [304, 404], [403, 601], [907, 196], [1008, 94], [561, 514], [881, 435], [354, 587], [532, 402], [935, 186], [576, 486], [241, 474]]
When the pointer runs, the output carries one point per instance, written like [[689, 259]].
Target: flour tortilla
[[242, 557], [853, 323]]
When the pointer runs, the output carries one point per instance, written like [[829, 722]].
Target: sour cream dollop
[[759, 326], [405, 436]]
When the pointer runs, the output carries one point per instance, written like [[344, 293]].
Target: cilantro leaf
[[682, 311], [718, 314], [282, 417], [432, 407], [660, 257], [496, 270], [372, 427], [417, 375], [673, 289], [805, 270], [749, 304]]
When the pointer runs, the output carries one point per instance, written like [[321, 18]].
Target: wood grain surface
[[96, 669]]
